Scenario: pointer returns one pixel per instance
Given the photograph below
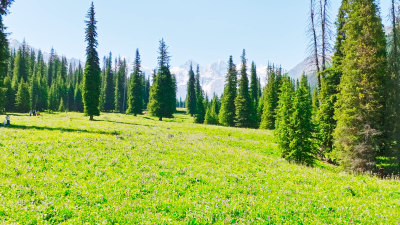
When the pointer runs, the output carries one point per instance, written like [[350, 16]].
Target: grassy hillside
[[61, 168]]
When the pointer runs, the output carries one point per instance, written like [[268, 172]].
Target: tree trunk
[[160, 118], [91, 118]]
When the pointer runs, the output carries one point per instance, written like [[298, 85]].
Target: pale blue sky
[[202, 30]]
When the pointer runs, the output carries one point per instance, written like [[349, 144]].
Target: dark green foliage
[[136, 88], [200, 101], [212, 112], [361, 100], [21, 64], [228, 110], [283, 123], [146, 94], [120, 87], [70, 98], [270, 99], [254, 84], [191, 93], [301, 148], [61, 107], [109, 86], [245, 111], [329, 90], [91, 77], [22, 100], [163, 91], [392, 114], [78, 99]]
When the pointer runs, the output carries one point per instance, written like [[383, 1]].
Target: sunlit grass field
[[121, 169]]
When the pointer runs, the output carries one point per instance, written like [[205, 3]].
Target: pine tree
[[136, 88], [228, 110], [245, 113], [212, 112], [361, 100], [120, 86], [284, 111], [61, 107], [270, 99], [146, 94], [200, 102], [91, 77], [4, 53], [329, 90], [78, 99], [191, 93], [254, 92], [301, 148], [109, 87], [162, 102], [392, 114], [22, 101]]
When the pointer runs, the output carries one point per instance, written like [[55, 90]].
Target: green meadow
[[64, 169]]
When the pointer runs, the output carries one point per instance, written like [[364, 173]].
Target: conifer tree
[[392, 114], [91, 77], [270, 99], [136, 88], [245, 115], [120, 86], [191, 93], [283, 123], [61, 107], [228, 110], [361, 100], [162, 102], [212, 112], [301, 148], [200, 102], [329, 89], [254, 92], [109, 86], [22, 101], [4, 53], [146, 94], [78, 99]]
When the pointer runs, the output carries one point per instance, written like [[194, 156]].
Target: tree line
[[31, 83], [350, 118]]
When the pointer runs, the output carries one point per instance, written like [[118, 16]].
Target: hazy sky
[[201, 30]]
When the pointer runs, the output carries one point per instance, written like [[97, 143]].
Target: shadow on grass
[[126, 123], [71, 130]]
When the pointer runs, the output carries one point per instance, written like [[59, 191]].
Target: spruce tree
[[191, 93], [212, 112], [283, 123], [392, 114], [136, 88], [270, 102], [22, 101], [329, 90], [228, 110], [162, 102], [361, 100], [109, 86], [120, 86], [245, 113], [146, 94], [254, 84], [91, 77], [78, 99], [301, 148], [200, 102], [4, 53]]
